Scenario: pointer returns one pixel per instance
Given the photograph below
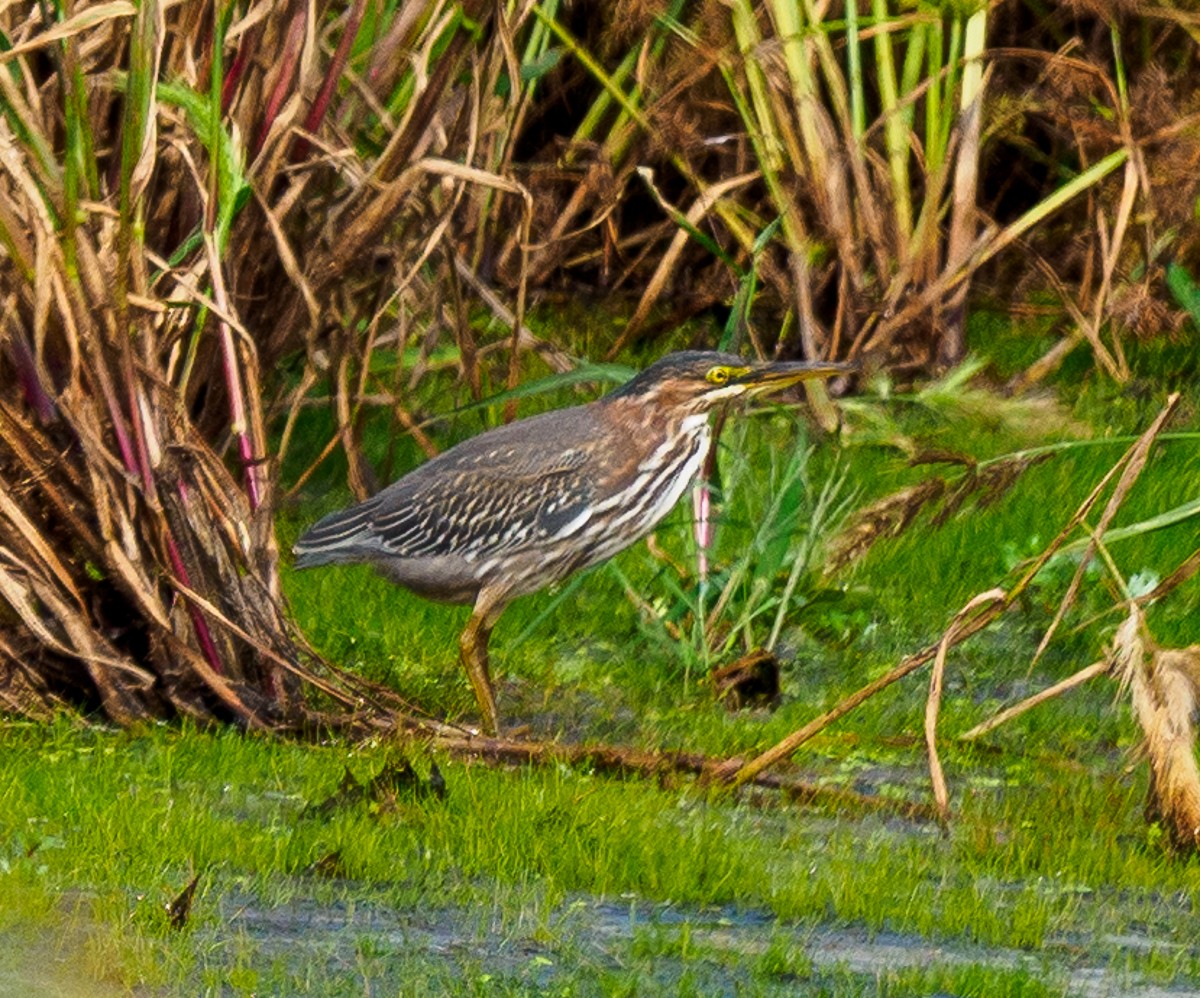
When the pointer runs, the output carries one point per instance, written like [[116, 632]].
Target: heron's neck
[[658, 411], [654, 431]]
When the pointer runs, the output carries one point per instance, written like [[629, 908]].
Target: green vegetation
[[258, 258], [561, 880], [511, 869]]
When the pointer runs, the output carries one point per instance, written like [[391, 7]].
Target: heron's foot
[[489, 717], [473, 646]]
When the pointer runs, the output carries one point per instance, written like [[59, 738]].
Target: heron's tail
[[311, 559], [339, 537]]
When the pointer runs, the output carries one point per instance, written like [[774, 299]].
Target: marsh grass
[[197, 196], [586, 643], [526, 880], [505, 853]]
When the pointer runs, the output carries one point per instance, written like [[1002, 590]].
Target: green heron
[[524, 505]]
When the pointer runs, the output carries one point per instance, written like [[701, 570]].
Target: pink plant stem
[[31, 385], [289, 60], [142, 464], [237, 406], [701, 503], [208, 647], [233, 380], [320, 108], [124, 444], [245, 53], [250, 463]]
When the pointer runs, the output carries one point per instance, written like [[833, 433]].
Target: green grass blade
[[935, 128], [858, 110], [1178, 514], [895, 127], [1184, 289], [585, 373]]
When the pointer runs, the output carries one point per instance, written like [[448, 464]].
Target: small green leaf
[[536, 68], [615, 373], [1184, 290]]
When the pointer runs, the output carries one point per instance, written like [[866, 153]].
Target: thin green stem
[[858, 111]]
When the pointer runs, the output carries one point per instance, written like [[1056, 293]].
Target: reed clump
[[213, 215]]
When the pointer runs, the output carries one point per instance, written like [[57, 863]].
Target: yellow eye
[[717, 375]]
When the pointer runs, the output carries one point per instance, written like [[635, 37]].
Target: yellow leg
[[473, 646]]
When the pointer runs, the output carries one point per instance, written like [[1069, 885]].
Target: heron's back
[[519, 506]]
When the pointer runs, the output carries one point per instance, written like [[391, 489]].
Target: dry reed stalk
[[1133, 462], [737, 775], [555, 359], [964, 211], [1084, 675], [657, 765], [937, 777], [1184, 571], [670, 259]]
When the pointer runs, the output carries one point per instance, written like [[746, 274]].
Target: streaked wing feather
[[492, 493], [480, 511], [512, 486]]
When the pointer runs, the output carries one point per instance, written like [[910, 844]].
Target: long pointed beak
[[774, 376]]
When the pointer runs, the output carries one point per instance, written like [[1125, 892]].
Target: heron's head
[[697, 380]]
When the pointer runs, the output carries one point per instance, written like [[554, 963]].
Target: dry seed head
[[997, 479], [1153, 103], [630, 21], [1066, 81], [713, 24], [886, 517], [1164, 687], [1136, 308], [1173, 164], [676, 129]]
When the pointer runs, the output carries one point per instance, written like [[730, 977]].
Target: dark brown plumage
[[524, 505]]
